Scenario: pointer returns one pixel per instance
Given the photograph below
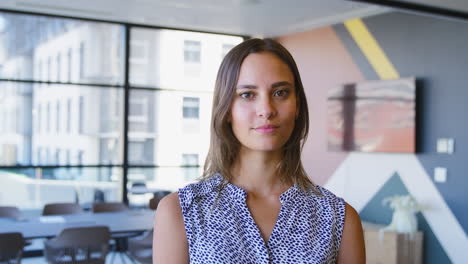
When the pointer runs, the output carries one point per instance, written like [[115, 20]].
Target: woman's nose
[[266, 108]]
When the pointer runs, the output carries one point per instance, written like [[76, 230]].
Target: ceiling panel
[[244, 17]]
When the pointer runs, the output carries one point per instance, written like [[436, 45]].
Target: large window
[[62, 104]]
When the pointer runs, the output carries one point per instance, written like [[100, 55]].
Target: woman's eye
[[246, 95], [281, 93]]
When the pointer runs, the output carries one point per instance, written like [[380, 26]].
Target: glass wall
[[62, 108]]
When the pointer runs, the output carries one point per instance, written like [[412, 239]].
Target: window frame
[[44, 116]]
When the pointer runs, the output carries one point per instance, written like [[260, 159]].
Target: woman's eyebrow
[[246, 86], [279, 84], [274, 85]]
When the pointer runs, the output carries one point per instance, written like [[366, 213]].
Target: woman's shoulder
[[319, 192], [169, 203], [198, 189], [325, 197]]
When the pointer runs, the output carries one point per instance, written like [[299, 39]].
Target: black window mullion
[[125, 114]]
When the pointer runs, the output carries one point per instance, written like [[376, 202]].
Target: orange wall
[[323, 63]]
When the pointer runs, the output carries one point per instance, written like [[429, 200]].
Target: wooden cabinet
[[392, 247]]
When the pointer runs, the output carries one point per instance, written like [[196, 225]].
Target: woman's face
[[264, 106]]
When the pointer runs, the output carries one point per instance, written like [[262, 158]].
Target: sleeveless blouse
[[221, 229]]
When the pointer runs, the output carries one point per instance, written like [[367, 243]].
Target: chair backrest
[[153, 203], [11, 247], [10, 212], [99, 196], [138, 184], [79, 245], [62, 209], [109, 207]]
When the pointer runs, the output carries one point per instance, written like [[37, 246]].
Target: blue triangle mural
[[376, 212]]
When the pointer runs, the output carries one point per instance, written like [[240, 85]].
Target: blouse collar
[[237, 193]]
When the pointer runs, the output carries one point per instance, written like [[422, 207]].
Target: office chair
[[10, 212], [62, 209], [120, 239], [13, 213], [11, 248], [78, 245], [141, 248], [109, 207]]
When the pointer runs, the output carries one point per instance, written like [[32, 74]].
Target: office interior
[[99, 103]]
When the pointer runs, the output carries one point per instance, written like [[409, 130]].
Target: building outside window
[[67, 157], [57, 114], [69, 64], [81, 113], [69, 115], [190, 172], [191, 108], [140, 152], [82, 58], [138, 113], [49, 69], [38, 118], [57, 157], [39, 70], [48, 117], [225, 49], [58, 68], [192, 51], [139, 52]]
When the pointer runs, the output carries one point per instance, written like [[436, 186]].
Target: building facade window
[[191, 171], [192, 51], [69, 64], [225, 49], [57, 157], [57, 115], [82, 60], [139, 51], [49, 69], [58, 68], [38, 118], [39, 70], [81, 113], [138, 113], [48, 118], [191, 108], [67, 157], [69, 115]]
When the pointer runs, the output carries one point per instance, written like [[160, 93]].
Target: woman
[[255, 203]]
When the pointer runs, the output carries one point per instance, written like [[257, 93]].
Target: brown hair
[[224, 146]]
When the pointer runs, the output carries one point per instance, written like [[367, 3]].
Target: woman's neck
[[257, 172]]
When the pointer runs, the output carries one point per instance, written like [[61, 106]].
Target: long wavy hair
[[224, 146]]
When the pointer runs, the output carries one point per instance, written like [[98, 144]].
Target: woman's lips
[[266, 129]]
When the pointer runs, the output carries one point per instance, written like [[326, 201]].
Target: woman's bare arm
[[169, 241], [352, 249]]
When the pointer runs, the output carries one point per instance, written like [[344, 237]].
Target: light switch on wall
[[445, 145], [440, 174]]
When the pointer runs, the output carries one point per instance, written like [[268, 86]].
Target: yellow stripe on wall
[[371, 49]]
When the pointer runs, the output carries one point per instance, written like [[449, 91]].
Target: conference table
[[51, 226]]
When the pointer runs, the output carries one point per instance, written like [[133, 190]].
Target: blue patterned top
[[220, 228]]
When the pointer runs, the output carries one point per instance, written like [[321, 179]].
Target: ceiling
[[457, 5], [263, 18]]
